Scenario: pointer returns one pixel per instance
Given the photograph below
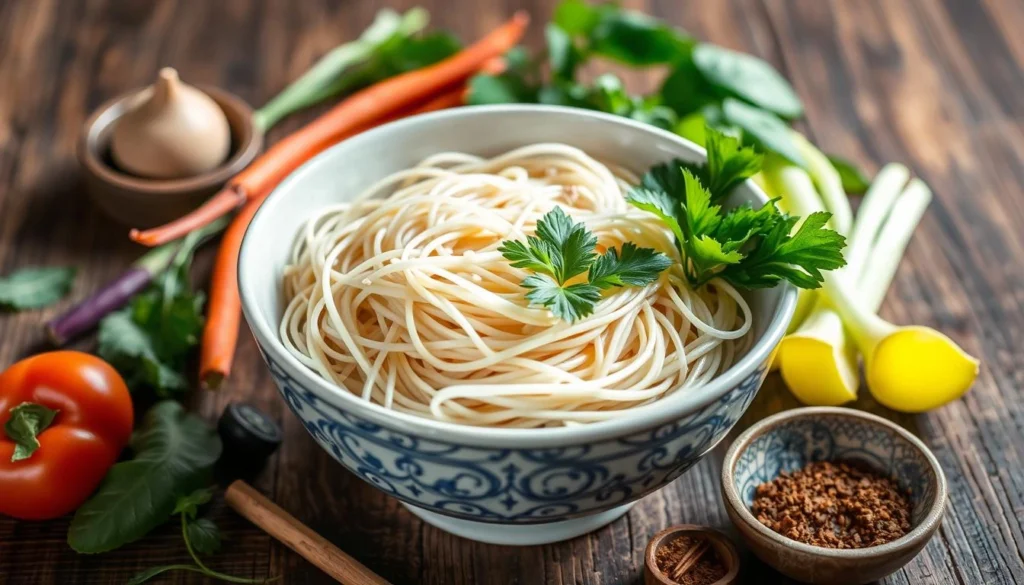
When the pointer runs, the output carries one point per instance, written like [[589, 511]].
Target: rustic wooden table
[[936, 84]]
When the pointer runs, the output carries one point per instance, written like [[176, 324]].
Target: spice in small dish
[[841, 505], [690, 559]]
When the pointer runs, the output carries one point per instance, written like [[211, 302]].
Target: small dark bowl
[[723, 546], [140, 202], [791, 439]]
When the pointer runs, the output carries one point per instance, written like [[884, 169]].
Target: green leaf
[[131, 349], [729, 163], [507, 88], [34, 288], [701, 216], [747, 78], [685, 90], [562, 53], [174, 454], [577, 17], [855, 181], [148, 574], [636, 39], [26, 422], [203, 536], [571, 244], [763, 128], [569, 303], [742, 223], [189, 505], [418, 52], [658, 202], [632, 267]]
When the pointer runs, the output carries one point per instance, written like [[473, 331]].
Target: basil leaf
[[34, 288], [27, 421], [762, 128], [637, 39], [174, 454], [748, 78], [855, 182], [204, 536]]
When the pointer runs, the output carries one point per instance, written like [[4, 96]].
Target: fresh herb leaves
[[150, 340], [201, 536], [562, 250], [749, 248], [174, 454], [35, 288]]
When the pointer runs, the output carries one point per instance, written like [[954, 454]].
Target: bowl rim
[[249, 146], [922, 531], [638, 419]]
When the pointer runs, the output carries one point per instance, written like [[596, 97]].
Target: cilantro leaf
[[563, 249], [569, 303], [35, 288], [189, 505], [661, 204], [632, 267], [729, 163]]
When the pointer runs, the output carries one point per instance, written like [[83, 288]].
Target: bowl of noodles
[[399, 333]]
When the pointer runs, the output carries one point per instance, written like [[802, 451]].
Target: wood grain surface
[[935, 84]]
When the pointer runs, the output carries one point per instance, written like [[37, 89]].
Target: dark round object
[[249, 435]]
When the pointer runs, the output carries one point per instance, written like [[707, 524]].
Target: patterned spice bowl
[[883, 487]]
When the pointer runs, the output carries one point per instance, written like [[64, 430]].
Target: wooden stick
[[251, 504], [689, 560]]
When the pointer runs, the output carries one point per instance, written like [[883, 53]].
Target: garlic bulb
[[170, 131]]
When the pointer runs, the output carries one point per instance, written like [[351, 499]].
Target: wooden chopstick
[[254, 506]]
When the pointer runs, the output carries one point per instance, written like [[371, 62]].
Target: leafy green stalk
[[35, 288]]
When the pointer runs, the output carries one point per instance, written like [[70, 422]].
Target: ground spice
[[834, 505], [675, 559]]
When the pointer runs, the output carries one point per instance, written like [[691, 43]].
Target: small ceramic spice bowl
[[689, 554], [144, 202], [790, 440]]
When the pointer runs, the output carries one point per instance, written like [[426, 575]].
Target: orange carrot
[[220, 333], [363, 107]]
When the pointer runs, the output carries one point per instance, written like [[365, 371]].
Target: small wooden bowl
[[723, 546], [141, 202]]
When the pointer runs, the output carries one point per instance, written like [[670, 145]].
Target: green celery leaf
[[668, 177], [189, 505], [632, 267], [174, 454], [204, 536], [569, 303], [701, 216], [763, 128], [748, 78], [742, 223], [855, 182], [27, 420], [573, 244], [661, 204], [34, 288], [534, 254], [709, 253], [729, 163], [636, 39], [798, 257]]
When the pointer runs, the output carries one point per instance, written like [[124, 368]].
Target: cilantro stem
[[207, 570]]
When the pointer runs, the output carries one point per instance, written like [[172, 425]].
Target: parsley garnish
[[563, 249], [749, 248]]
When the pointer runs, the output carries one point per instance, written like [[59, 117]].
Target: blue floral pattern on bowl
[[515, 486], [794, 443]]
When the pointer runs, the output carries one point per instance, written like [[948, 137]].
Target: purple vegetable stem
[[87, 314]]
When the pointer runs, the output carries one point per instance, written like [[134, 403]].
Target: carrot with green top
[[364, 107]]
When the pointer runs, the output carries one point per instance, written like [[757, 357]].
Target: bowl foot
[[519, 535]]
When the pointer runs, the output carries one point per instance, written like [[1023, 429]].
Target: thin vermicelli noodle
[[403, 298]]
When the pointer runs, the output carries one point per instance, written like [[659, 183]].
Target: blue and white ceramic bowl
[[790, 440], [508, 486]]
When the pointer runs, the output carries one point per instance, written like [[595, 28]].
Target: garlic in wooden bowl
[[171, 131]]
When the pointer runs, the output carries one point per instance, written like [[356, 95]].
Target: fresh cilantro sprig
[[563, 249], [747, 247]]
